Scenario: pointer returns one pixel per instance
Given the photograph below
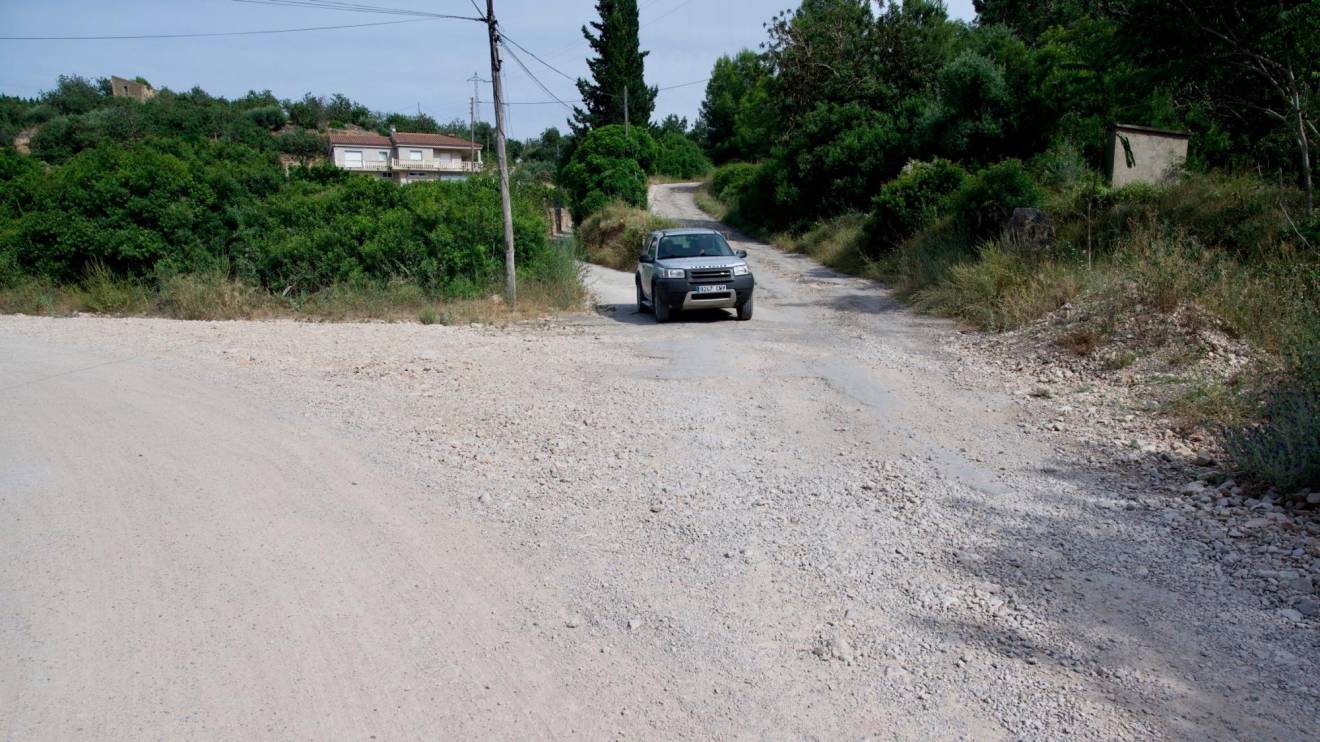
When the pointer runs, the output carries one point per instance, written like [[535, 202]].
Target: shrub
[[835, 242], [728, 181], [211, 295], [609, 165], [906, 203], [1241, 214], [679, 157], [302, 143], [267, 117], [999, 290], [985, 201], [613, 235], [1283, 447]]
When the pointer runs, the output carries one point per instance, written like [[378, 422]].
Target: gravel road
[[823, 523]]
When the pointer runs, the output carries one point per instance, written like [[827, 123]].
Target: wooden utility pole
[[510, 270], [627, 130]]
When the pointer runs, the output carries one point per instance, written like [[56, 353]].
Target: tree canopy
[[618, 66]]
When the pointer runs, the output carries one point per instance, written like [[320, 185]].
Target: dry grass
[[707, 202], [613, 236], [217, 297], [835, 243]]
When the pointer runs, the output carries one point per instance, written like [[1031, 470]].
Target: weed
[[427, 316], [612, 236], [1082, 340], [102, 292], [210, 296], [1120, 360]]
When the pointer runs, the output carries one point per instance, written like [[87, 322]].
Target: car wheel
[[661, 309], [641, 300], [745, 310]]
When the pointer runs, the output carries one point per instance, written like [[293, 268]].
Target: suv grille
[[711, 275]]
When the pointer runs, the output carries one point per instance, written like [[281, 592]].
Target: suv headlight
[[670, 272], [742, 270]]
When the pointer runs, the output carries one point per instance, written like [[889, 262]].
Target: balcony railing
[[451, 166], [373, 165]]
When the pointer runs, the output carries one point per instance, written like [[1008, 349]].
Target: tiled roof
[[360, 139], [432, 140]]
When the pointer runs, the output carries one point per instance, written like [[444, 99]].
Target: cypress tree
[[618, 65]]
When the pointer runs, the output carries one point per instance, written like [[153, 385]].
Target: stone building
[[1143, 154], [138, 91]]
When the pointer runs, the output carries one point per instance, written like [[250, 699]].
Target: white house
[[405, 157]]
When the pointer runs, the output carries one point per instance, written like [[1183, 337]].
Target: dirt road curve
[[815, 524]]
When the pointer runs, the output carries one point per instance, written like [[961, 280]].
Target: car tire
[[641, 300], [745, 310], [662, 310]]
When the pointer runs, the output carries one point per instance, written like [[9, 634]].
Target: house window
[[352, 158], [382, 155], [415, 155]]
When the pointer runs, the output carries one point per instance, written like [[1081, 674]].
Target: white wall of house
[[407, 153], [353, 157]]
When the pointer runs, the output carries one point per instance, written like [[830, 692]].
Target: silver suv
[[692, 269]]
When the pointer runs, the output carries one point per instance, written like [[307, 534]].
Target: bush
[[679, 157], [267, 117], [999, 290], [162, 208], [728, 181], [984, 202], [908, 202], [302, 144], [1283, 448], [609, 165], [836, 242], [613, 236]]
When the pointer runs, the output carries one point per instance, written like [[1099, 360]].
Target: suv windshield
[[700, 245]]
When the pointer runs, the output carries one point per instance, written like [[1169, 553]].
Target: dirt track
[[816, 524]]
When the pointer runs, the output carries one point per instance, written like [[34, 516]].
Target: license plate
[[711, 289]]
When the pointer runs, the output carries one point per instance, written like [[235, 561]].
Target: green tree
[[736, 105], [610, 164], [1257, 63], [619, 66], [74, 94], [1031, 18], [677, 156]]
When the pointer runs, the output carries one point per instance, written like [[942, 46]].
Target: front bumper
[[679, 293]]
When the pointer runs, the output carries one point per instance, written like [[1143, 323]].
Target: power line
[[667, 13], [357, 8], [552, 68], [579, 100], [221, 33], [539, 84]]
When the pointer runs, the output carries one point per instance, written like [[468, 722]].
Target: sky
[[404, 67]]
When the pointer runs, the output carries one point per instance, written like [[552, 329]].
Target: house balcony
[[436, 166], [374, 166]]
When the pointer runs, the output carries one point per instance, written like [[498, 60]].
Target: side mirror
[[646, 258], [741, 253]]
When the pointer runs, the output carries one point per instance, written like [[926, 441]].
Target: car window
[[694, 246], [651, 249]]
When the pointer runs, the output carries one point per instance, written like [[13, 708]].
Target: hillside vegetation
[[894, 142], [123, 207]]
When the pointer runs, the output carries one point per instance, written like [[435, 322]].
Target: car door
[[647, 270]]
